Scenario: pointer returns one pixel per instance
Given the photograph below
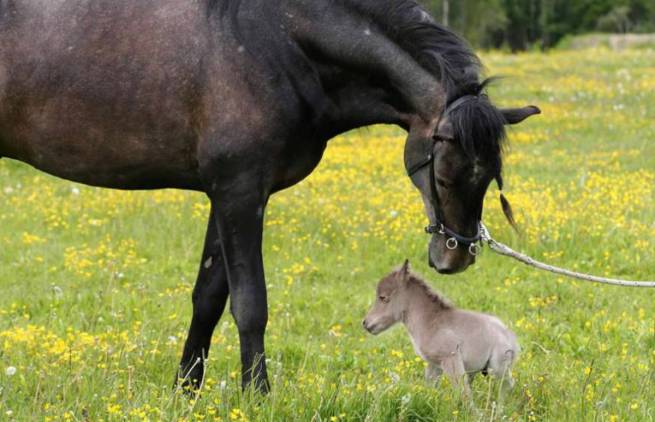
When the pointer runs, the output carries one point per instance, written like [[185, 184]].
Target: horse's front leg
[[209, 298], [239, 214]]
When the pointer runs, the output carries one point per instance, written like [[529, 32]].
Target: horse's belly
[[114, 160], [99, 131], [130, 163]]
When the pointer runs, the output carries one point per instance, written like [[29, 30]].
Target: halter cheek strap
[[440, 227], [454, 239]]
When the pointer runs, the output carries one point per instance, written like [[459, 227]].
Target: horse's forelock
[[479, 127]]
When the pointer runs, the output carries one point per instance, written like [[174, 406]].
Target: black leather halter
[[454, 239]]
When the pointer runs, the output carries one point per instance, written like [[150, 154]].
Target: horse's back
[[103, 92], [150, 94]]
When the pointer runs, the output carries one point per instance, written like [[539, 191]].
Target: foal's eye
[[384, 299]]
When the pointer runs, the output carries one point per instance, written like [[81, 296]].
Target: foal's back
[[483, 339]]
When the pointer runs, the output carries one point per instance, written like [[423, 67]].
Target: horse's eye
[[443, 183], [384, 299]]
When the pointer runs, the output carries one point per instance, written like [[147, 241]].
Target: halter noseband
[[454, 239]]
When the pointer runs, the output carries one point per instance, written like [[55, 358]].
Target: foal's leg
[[504, 371], [239, 216], [471, 377], [209, 297], [433, 373], [453, 366]]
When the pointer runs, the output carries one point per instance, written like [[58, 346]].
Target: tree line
[[523, 24]]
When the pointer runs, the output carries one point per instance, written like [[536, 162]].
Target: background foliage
[[520, 24]]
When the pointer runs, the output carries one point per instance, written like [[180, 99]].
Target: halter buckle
[[474, 249], [452, 243]]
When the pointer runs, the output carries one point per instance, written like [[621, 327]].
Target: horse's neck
[[401, 83]]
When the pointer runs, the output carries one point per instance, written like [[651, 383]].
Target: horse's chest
[[299, 159]]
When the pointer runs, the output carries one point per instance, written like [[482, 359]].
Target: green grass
[[96, 284]]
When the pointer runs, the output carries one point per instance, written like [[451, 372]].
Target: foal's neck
[[423, 305]]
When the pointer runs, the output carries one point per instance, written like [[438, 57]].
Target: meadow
[[96, 284]]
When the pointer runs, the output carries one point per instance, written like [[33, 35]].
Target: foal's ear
[[404, 270], [517, 115]]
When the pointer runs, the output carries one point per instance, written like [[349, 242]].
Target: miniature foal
[[451, 340]]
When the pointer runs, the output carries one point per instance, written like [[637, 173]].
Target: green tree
[[520, 24]]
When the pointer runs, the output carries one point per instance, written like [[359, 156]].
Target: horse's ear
[[404, 270], [517, 115]]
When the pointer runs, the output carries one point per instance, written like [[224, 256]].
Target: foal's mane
[[477, 125], [432, 294]]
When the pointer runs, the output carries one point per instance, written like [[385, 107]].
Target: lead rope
[[503, 249]]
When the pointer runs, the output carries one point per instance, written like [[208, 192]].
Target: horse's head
[[453, 170]]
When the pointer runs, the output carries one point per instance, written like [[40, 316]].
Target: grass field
[[95, 284]]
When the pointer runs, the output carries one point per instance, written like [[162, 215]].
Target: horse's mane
[[432, 294], [477, 125], [436, 48]]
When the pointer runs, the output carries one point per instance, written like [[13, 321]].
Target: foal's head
[[390, 302], [453, 171]]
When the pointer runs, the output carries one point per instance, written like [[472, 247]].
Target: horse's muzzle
[[449, 261]]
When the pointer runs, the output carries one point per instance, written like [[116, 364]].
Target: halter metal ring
[[452, 243], [474, 249]]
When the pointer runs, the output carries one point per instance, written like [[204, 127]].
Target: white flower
[[406, 399], [10, 371], [172, 339], [75, 191], [394, 377]]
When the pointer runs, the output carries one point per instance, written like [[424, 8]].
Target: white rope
[[507, 251]]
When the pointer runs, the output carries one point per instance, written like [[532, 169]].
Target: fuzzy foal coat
[[453, 341]]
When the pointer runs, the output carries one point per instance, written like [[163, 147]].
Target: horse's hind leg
[[209, 298]]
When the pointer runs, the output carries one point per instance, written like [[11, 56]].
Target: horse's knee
[[208, 304], [250, 320]]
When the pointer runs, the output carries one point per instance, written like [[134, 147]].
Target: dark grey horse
[[238, 99]]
